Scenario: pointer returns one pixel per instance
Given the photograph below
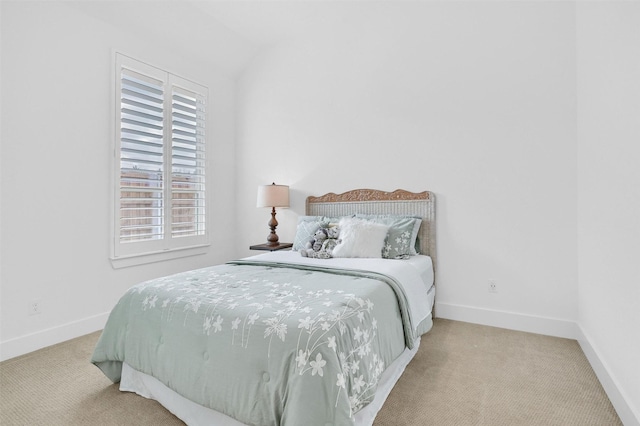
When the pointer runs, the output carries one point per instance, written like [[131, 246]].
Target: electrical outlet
[[34, 307], [493, 286]]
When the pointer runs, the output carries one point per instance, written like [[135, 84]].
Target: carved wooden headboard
[[372, 201]]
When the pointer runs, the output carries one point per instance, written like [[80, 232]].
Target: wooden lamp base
[[273, 238]]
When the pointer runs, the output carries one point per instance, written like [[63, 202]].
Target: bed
[[280, 338]]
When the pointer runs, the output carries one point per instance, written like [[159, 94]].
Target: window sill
[[159, 256]]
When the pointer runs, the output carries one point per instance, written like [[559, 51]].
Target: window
[[160, 196]]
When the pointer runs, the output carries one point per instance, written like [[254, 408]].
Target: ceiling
[[266, 22], [228, 31]]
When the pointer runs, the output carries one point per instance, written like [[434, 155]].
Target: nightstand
[[268, 247]]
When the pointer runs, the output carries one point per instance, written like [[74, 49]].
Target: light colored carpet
[[463, 374], [467, 374]]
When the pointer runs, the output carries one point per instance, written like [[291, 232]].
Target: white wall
[[57, 107], [608, 82], [474, 101]]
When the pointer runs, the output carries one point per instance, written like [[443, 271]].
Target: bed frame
[[373, 201], [365, 201]]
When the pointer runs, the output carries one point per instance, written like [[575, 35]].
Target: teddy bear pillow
[[322, 244]]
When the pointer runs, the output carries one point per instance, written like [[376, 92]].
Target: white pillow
[[360, 238]]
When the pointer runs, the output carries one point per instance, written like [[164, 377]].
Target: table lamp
[[273, 196]]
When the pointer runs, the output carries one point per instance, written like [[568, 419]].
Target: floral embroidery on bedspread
[[333, 330]]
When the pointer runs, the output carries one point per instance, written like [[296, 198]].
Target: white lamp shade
[[273, 196]]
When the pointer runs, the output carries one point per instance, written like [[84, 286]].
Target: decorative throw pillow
[[307, 227], [402, 237], [360, 238]]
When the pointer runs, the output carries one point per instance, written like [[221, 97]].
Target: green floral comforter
[[267, 344]]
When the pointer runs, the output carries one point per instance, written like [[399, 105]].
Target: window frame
[[124, 254]]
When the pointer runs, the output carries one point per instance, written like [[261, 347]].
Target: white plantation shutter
[[160, 146], [141, 157], [187, 163]]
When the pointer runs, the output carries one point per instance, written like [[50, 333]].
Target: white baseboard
[[51, 336], [616, 395], [509, 320]]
